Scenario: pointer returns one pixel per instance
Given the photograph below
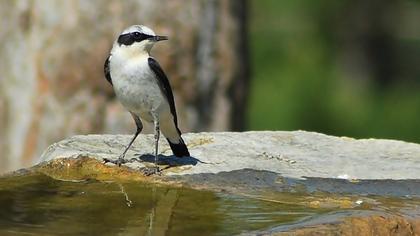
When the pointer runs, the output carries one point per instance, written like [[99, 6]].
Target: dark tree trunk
[[223, 66]]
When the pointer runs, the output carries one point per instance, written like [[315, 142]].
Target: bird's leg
[[157, 134], [121, 159], [155, 169]]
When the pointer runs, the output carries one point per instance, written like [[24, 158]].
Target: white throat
[[133, 51]]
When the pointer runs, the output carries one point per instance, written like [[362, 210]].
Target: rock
[[292, 154], [239, 162], [367, 225]]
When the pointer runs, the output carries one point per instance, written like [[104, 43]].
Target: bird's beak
[[160, 38]]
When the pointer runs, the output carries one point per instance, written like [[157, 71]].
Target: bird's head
[[137, 39]]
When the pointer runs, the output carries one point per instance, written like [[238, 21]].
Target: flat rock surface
[[294, 154]]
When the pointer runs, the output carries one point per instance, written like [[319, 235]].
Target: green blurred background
[[347, 68]]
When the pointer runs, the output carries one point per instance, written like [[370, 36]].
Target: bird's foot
[[117, 162], [147, 171]]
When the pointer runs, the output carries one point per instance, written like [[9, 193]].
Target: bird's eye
[[137, 34]]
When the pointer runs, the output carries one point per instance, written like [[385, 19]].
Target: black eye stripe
[[130, 38]]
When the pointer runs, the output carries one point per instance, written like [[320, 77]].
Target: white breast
[[136, 86]]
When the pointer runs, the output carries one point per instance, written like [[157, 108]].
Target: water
[[39, 205]]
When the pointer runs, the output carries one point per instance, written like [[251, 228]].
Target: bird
[[142, 87]]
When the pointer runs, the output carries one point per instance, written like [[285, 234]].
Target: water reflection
[[40, 205]]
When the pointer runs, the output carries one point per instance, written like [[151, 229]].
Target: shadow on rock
[[169, 160]]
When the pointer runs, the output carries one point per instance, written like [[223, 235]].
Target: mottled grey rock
[[294, 154]]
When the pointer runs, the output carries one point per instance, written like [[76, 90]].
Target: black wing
[[106, 70], [164, 86]]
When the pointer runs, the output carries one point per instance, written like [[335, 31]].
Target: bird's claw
[[118, 162], [147, 171]]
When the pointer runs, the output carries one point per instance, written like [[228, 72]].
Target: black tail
[[180, 149]]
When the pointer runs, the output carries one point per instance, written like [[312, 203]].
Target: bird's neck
[[131, 54]]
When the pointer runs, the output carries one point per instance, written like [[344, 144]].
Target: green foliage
[[298, 83]]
